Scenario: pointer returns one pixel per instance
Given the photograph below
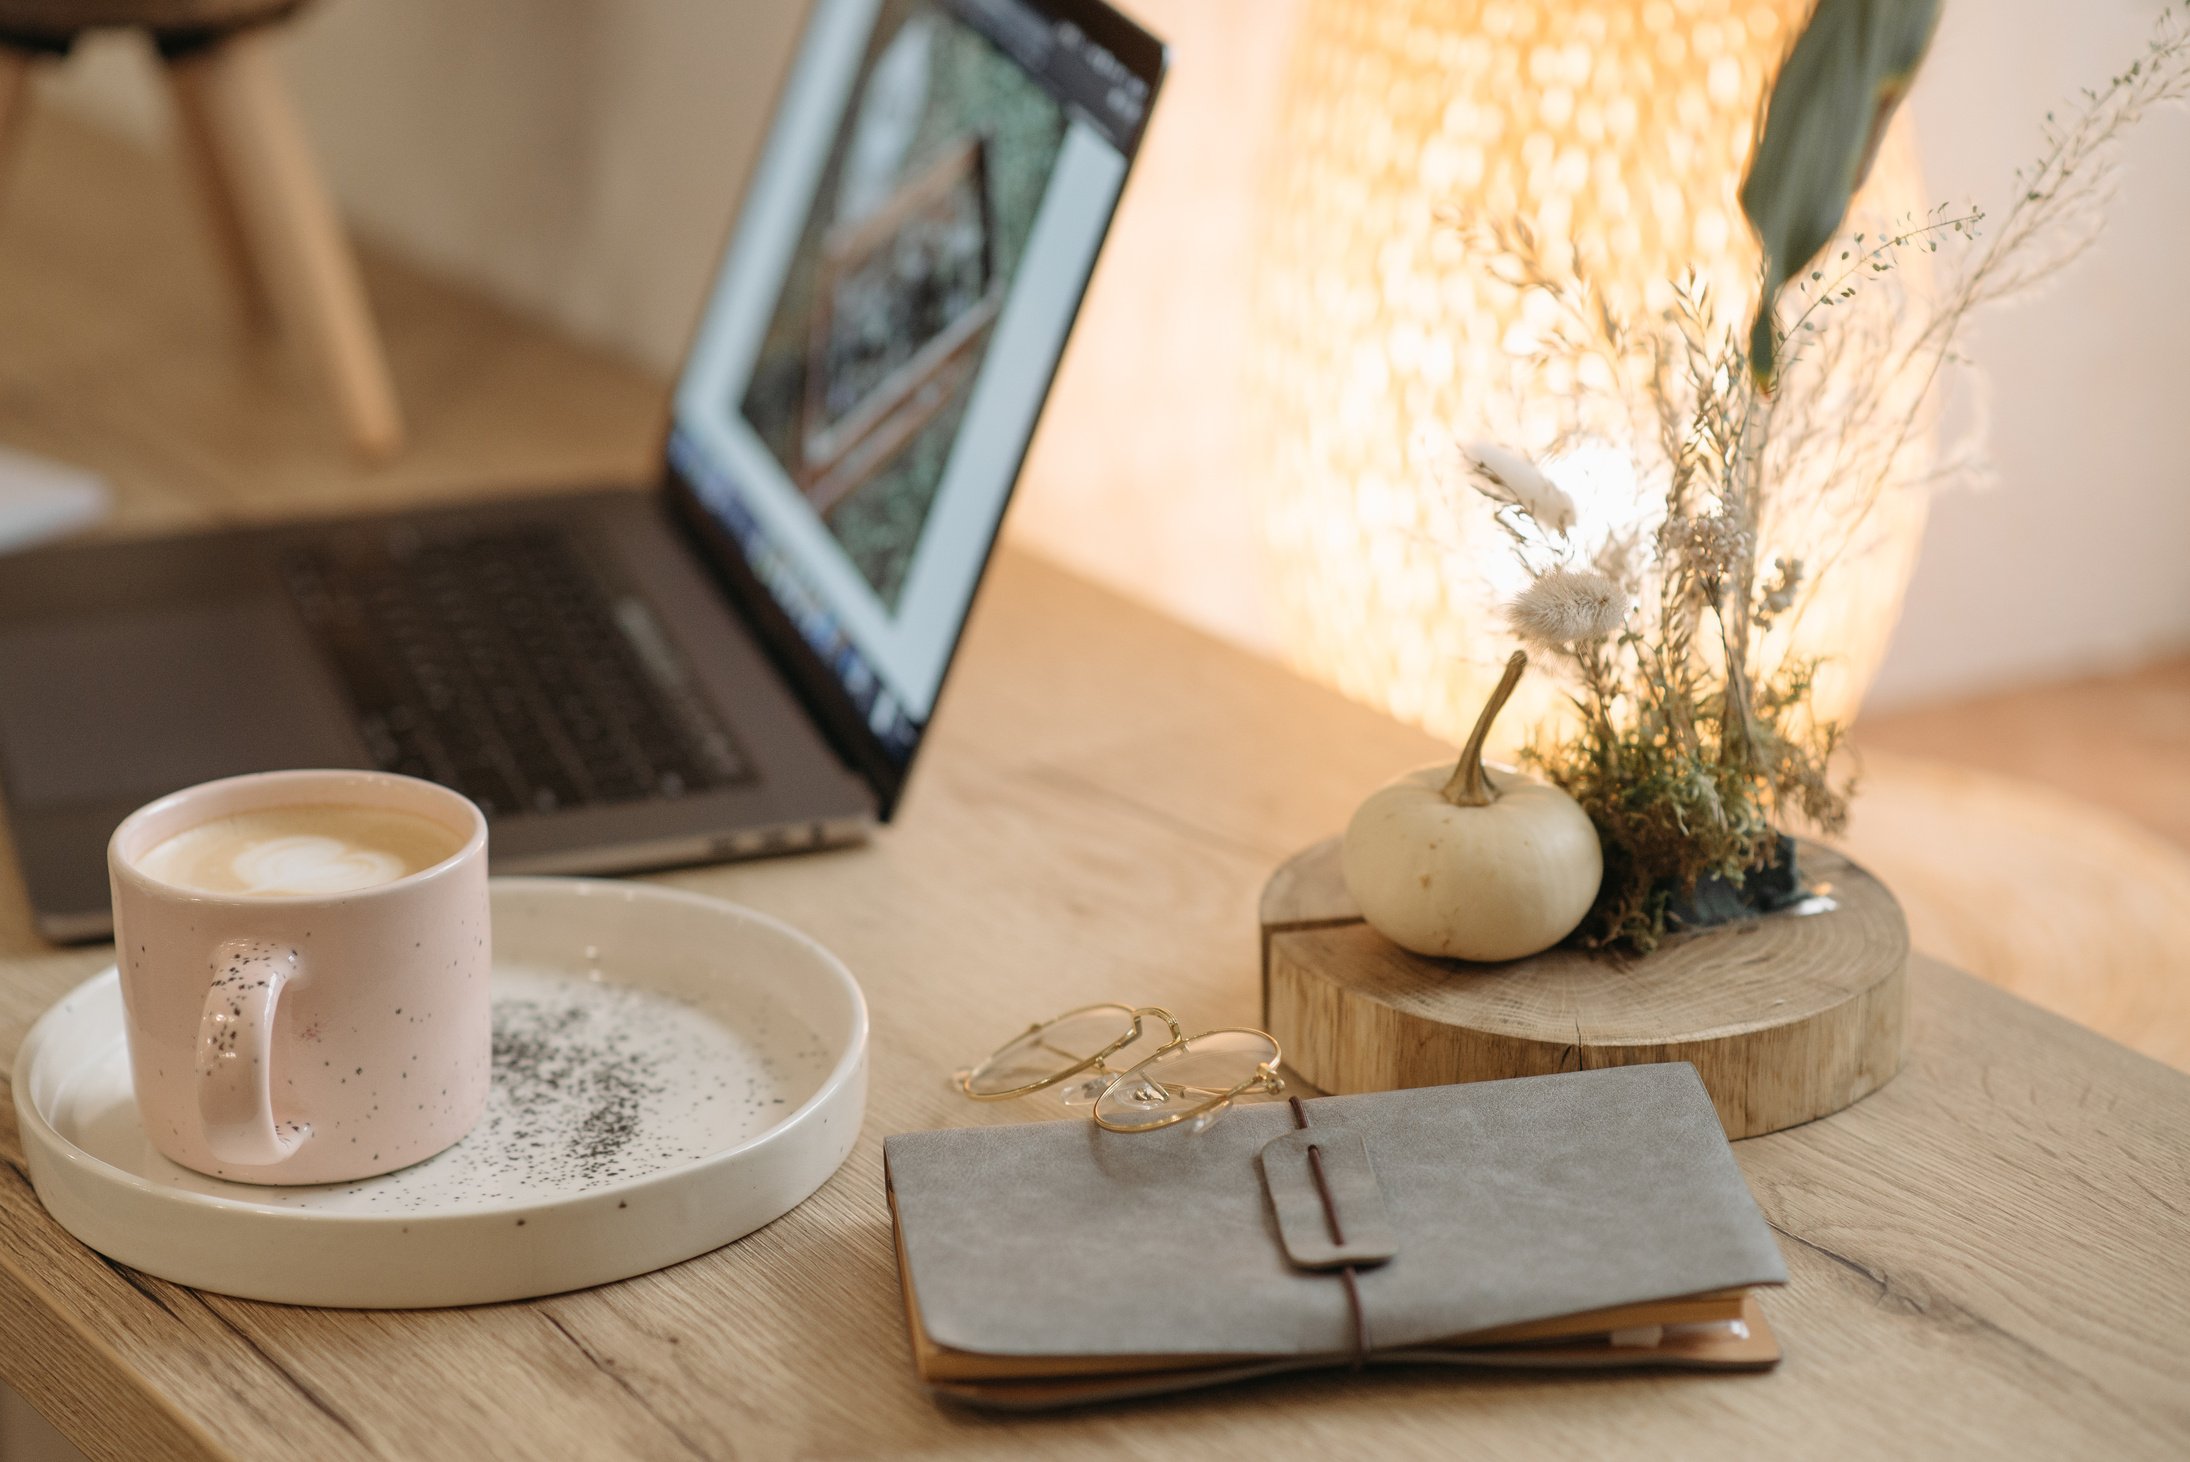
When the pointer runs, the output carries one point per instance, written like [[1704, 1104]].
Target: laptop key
[[496, 664]]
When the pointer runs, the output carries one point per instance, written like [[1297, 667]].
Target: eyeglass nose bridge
[[1266, 1081], [1178, 1032], [1094, 1076]]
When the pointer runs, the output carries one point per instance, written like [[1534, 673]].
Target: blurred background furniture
[[273, 223]]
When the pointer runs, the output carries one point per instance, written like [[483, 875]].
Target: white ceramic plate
[[671, 1072]]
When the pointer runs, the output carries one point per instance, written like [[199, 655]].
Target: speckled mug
[[306, 1038]]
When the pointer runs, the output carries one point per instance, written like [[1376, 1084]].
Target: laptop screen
[[898, 289]]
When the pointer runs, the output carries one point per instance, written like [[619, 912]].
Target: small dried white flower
[[1709, 547], [1779, 594], [1566, 607], [1506, 475]]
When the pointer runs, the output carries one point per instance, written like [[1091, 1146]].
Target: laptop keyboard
[[498, 664]]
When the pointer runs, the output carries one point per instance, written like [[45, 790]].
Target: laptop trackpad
[[137, 703]]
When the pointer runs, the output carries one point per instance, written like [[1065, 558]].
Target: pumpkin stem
[[1468, 786]]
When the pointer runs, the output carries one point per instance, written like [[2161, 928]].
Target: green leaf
[[1828, 111]]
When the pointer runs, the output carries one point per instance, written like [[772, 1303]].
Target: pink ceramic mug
[[314, 1036]]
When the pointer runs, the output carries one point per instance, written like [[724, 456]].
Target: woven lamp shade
[[1620, 124]]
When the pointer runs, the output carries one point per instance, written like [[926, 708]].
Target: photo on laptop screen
[[916, 242], [919, 227]]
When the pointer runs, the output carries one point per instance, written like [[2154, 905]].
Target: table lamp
[[1622, 125]]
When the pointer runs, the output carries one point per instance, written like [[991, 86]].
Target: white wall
[[581, 158], [2078, 556]]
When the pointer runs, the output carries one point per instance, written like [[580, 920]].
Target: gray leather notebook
[[1595, 1218]]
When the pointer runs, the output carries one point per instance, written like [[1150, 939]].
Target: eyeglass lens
[[1186, 1079], [1050, 1050]]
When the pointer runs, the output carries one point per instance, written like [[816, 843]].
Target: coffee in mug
[[305, 967], [318, 848]]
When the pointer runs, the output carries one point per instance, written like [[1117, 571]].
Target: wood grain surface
[[2071, 905], [2119, 740], [1786, 1019], [1990, 1257]]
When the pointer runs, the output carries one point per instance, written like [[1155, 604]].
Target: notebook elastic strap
[[1332, 1217], [1347, 1273]]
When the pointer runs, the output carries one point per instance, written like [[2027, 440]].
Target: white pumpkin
[[1468, 863]]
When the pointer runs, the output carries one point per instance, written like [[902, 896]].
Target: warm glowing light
[[1622, 124]]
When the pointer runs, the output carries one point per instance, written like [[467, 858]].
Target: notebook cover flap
[[1513, 1201]]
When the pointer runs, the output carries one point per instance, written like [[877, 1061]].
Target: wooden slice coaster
[[1787, 1017]]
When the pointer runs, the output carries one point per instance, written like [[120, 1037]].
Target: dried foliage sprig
[[1697, 742]]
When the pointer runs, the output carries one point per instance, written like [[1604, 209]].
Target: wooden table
[[1993, 1252], [2052, 897], [1990, 1257]]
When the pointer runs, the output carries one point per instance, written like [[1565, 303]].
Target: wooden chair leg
[[293, 228], [198, 135], [14, 99]]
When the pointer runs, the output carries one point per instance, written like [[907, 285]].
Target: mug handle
[[236, 1055]]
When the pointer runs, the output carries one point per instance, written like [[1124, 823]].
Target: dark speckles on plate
[[594, 1085]]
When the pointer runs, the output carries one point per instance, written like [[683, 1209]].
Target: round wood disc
[[1787, 1017]]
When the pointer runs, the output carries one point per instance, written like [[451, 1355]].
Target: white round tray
[[671, 1073]]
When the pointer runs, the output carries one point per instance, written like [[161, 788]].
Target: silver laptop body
[[742, 660]]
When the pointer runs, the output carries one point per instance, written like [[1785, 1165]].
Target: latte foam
[[289, 851]]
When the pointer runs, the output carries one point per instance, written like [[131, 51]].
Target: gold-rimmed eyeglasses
[[1134, 1065]]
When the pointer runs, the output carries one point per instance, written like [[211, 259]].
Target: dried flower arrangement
[[1696, 743]]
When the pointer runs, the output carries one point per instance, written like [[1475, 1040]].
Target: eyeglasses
[[1185, 1078]]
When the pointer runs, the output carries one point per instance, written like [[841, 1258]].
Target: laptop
[[745, 659]]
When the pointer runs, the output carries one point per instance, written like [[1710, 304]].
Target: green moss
[[1673, 800]]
